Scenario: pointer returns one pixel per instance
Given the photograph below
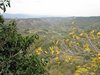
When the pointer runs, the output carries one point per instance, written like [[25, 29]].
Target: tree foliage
[[13, 50], [4, 4]]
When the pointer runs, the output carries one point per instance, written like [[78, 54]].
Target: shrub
[[13, 50]]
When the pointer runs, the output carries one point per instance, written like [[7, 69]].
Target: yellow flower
[[98, 33], [52, 50], [86, 46], [46, 52], [78, 66], [98, 60], [57, 50], [38, 53], [38, 50], [81, 34], [92, 31], [88, 49], [99, 54], [93, 64], [71, 33]]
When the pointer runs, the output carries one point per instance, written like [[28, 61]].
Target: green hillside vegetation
[[50, 29], [50, 46]]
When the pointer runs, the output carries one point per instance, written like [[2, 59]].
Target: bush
[[13, 50]]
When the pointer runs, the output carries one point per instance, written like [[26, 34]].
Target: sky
[[55, 7]]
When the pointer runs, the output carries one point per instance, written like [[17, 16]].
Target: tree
[[4, 4], [13, 50]]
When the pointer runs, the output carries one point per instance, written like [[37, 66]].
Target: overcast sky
[[56, 7]]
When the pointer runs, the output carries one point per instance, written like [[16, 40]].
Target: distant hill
[[58, 24], [55, 27], [21, 16]]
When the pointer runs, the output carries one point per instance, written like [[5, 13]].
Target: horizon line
[[43, 16]]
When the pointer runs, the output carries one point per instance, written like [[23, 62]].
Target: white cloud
[[56, 7]]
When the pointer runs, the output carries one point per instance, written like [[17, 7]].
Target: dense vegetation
[[54, 53], [73, 51], [14, 59], [77, 54]]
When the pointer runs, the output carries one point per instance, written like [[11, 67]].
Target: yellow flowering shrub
[[82, 53], [78, 54]]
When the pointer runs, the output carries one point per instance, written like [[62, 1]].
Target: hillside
[[65, 46], [56, 23]]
